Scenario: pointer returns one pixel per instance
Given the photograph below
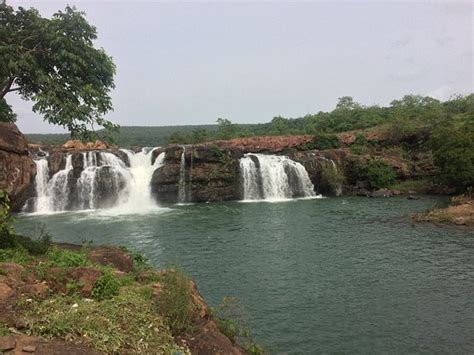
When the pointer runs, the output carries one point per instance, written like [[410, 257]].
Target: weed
[[175, 301], [106, 286], [66, 258]]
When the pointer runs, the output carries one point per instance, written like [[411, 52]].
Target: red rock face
[[17, 169], [273, 144]]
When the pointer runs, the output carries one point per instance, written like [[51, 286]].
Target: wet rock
[[111, 256], [413, 197]]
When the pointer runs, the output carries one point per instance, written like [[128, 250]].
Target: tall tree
[[53, 62]]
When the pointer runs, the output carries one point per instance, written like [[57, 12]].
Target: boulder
[[111, 256], [17, 169]]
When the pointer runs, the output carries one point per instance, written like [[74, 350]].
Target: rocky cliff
[[17, 169]]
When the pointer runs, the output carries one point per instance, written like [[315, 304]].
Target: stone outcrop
[[17, 169], [211, 174]]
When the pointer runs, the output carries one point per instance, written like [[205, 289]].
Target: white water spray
[[274, 178]]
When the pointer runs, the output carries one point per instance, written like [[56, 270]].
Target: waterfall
[[104, 182], [272, 177], [41, 184], [182, 178], [137, 197]]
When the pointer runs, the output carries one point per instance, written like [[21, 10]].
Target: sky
[[192, 62]]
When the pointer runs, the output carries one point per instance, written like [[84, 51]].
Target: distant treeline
[[409, 113]]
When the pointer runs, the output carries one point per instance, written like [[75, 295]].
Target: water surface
[[341, 275]]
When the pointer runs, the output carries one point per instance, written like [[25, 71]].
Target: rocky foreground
[[460, 212], [84, 300]]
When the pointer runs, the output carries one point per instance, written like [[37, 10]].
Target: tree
[[279, 126], [225, 129], [453, 154], [54, 63]]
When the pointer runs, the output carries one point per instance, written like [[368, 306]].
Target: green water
[[341, 275]]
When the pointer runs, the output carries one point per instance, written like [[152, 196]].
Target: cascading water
[[182, 178], [105, 181], [138, 194], [272, 177]]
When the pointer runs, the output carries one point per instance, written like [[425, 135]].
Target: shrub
[[6, 221], [66, 258], [331, 179], [106, 286], [323, 141], [231, 320], [175, 301], [453, 154], [379, 174]]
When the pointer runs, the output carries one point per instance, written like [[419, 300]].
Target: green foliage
[[379, 174], [106, 286], [15, 255], [453, 153], [127, 323], [419, 186], [58, 257], [53, 62], [323, 141], [225, 129], [231, 320], [331, 179], [6, 219], [175, 301], [6, 113]]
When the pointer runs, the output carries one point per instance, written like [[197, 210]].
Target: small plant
[[231, 321], [15, 255], [6, 221], [106, 286], [175, 301], [66, 258]]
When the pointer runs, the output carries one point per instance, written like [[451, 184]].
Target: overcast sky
[[189, 63]]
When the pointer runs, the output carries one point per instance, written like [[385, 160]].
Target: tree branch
[[6, 87], [13, 89]]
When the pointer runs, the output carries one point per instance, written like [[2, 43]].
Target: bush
[[175, 301], [231, 320], [106, 286], [379, 174], [331, 179], [66, 258], [453, 154], [323, 141]]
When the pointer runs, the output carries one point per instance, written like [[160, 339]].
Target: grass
[[16, 255], [175, 301], [125, 323]]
